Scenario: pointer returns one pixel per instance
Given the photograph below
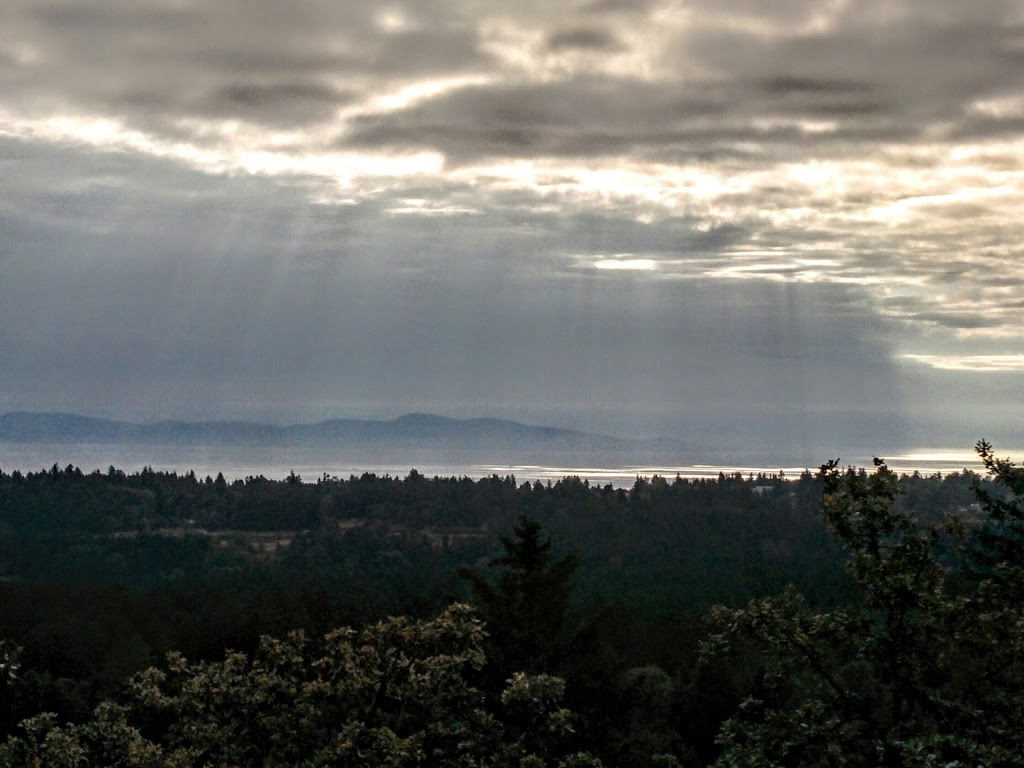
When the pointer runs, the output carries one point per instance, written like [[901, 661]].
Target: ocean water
[[312, 463]]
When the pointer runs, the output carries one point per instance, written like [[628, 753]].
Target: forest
[[843, 617]]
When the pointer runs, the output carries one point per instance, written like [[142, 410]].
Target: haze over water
[[239, 462]]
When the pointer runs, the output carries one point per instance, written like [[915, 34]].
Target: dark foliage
[[102, 574]]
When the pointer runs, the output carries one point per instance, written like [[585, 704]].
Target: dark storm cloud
[[920, 66], [814, 85], [426, 52], [618, 6], [590, 117], [815, 96], [588, 38], [248, 95], [293, 103], [881, 74], [163, 63], [981, 127], [891, 82], [602, 118]]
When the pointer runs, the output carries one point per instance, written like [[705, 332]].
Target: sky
[[789, 222]]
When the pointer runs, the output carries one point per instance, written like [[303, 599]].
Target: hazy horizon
[[741, 433], [618, 464], [793, 226]]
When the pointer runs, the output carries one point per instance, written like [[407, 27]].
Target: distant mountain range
[[419, 430]]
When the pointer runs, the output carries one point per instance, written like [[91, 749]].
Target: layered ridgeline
[[421, 428], [416, 439]]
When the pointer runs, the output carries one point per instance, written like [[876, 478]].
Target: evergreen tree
[[919, 671], [524, 600]]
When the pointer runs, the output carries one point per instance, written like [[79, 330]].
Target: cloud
[[635, 265], [587, 38], [863, 151], [293, 103], [975, 363], [617, 6]]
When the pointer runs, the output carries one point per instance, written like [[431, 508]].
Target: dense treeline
[[105, 573]]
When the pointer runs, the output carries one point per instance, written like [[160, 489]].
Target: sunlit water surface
[[312, 463]]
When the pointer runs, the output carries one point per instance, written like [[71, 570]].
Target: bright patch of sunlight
[[979, 363], [411, 94], [627, 265], [392, 20], [999, 107], [968, 457]]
